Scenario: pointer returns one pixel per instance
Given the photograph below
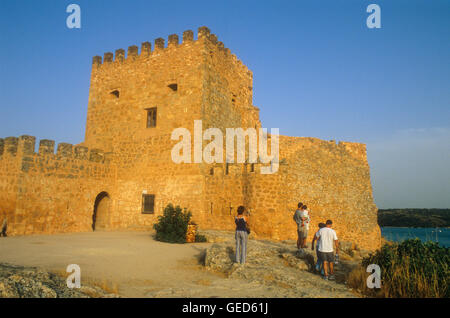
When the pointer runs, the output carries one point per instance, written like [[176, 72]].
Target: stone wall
[[8, 177], [333, 180], [46, 192], [146, 167]]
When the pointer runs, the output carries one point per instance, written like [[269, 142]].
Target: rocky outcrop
[[280, 266], [23, 282]]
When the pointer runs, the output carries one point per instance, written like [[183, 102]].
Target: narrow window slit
[[151, 117], [115, 93], [173, 87]]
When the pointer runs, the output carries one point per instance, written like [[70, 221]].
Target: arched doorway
[[101, 215]]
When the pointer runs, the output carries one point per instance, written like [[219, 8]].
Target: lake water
[[398, 234]]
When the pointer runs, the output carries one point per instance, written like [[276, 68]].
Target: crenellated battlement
[[25, 146], [204, 35]]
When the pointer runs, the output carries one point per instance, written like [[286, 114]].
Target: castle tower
[[151, 92]]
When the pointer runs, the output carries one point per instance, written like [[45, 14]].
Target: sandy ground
[[133, 264], [133, 260]]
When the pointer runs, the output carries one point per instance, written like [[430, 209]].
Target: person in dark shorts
[[319, 262], [327, 238]]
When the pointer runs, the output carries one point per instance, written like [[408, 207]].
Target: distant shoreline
[[414, 218]]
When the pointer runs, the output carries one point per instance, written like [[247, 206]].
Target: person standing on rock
[[305, 224], [300, 229], [242, 231], [327, 238], [319, 262]]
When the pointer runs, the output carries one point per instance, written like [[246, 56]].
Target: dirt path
[[134, 262]]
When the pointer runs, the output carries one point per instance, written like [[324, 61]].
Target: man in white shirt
[[328, 238]]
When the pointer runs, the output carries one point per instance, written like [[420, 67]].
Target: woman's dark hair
[[240, 210], [321, 225], [305, 207], [300, 205]]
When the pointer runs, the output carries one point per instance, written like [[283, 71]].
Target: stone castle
[[122, 176]]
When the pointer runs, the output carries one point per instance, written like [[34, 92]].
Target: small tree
[[172, 225]]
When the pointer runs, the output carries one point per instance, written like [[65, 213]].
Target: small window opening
[[226, 168], [148, 203], [211, 171], [115, 93], [173, 87], [252, 167], [151, 117]]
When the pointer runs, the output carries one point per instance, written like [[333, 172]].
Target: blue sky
[[318, 71]]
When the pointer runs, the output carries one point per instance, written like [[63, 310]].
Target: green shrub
[[412, 269], [200, 238], [172, 225]]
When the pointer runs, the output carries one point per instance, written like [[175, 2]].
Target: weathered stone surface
[[22, 282], [260, 257], [297, 262], [280, 266]]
